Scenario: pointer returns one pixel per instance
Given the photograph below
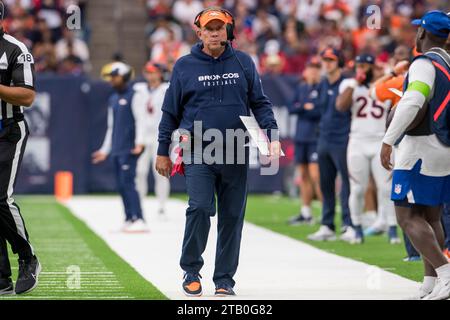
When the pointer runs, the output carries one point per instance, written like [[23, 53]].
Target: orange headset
[[230, 25]]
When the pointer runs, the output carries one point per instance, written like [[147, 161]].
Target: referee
[[16, 92]]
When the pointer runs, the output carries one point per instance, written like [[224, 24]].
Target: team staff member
[[218, 104], [124, 141], [421, 176], [16, 91], [334, 129], [152, 95], [308, 117]]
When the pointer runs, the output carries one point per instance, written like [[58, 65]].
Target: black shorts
[[306, 152]]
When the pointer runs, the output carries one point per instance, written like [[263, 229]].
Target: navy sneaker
[[224, 290], [412, 259], [300, 219], [6, 286], [359, 235], [393, 237], [191, 285]]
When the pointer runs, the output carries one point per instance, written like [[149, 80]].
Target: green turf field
[[272, 212], [76, 263]]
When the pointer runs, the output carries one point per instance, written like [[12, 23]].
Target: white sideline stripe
[[82, 272], [272, 266]]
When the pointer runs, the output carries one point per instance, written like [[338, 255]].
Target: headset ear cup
[[197, 18], [341, 61], [230, 32]]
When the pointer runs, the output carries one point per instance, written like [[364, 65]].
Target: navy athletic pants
[[125, 169], [204, 182], [333, 160]]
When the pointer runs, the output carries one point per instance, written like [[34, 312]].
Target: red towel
[[178, 166]]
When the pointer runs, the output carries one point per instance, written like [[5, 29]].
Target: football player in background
[[151, 97], [367, 131]]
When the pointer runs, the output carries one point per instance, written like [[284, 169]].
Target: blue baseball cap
[[436, 22], [365, 58], [331, 53]]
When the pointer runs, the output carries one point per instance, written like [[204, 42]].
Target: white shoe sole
[[7, 292], [445, 296], [222, 295], [192, 295]]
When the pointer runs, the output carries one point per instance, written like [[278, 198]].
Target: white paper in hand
[[257, 135]]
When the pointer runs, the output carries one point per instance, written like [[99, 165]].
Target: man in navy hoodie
[[334, 130], [308, 117], [214, 85]]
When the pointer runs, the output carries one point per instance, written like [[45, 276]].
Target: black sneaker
[[224, 290], [6, 287], [191, 285], [28, 275]]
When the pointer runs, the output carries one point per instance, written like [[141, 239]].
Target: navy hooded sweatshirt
[[334, 126], [214, 91], [307, 120]]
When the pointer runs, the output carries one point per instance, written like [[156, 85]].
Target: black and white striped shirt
[[16, 70]]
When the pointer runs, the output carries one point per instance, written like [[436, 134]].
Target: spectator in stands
[[158, 8], [272, 61], [44, 49], [52, 12], [169, 49], [295, 50], [265, 26], [25, 4], [19, 21], [308, 11], [186, 10], [70, 45], [71, 64]]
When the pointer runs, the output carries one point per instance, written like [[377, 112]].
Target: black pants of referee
[[13, 138]]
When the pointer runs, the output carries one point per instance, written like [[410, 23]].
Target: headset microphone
[[223, 43]]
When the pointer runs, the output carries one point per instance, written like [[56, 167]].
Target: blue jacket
[[214, 91], [307, 120], [124, 131], [334, 126]]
